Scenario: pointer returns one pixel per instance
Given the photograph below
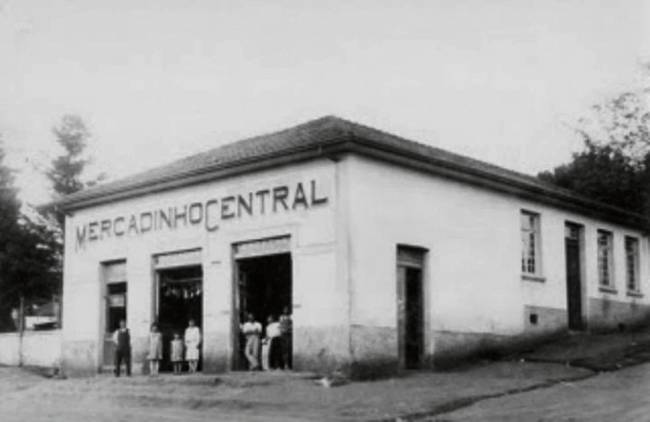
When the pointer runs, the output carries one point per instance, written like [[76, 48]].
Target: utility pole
[[21, 328]]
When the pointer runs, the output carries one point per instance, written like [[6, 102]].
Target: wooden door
[[410, 308], [573, 277]]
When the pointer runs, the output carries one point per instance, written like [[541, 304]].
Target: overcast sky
[[157, 80]]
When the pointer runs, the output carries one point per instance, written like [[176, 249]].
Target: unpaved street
[[510, 391], [613, 396], [259, 396]]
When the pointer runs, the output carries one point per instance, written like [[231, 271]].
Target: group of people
[[276, 341], [190, 344]]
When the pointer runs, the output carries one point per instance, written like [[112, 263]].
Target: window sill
[[607, 289], [634, 293], [532, 277]]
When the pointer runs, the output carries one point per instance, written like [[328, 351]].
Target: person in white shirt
[[192, 342], [252, 330], [273, 338]]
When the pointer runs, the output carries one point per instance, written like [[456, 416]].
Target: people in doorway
[[286, 328], [176, 353], [252, 331], [122, 340], [273, 339], [192, 343], [155, 350]]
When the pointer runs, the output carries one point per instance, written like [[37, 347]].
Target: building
[[392, 254]]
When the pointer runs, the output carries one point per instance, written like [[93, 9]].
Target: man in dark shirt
[[286, 328], [122, 340]]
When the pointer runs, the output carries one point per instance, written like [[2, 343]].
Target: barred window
[[632, 263], [530, 243], [605, 255]]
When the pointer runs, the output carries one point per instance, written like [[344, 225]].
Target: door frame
[[581, 262], [109, 276], [272, 244], [408, 256]]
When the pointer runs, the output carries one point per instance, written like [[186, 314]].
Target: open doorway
[[410, 301], [115, 307], [264, 288], [180, 298]]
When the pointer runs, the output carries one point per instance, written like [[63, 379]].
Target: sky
[[501, 80]]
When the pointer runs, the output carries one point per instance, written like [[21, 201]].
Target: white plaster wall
[[473, 236], [472, 272], [10, 349], [42, 348], [552, 292], [313, 237], [39, 348]]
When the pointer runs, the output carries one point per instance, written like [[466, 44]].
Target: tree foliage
[[66, 171], [28, 251], [614, 165]]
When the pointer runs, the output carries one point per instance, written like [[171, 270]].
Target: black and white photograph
[[299, 210]]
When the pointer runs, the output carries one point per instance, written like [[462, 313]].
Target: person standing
[[192, 343], [274, 341], [176, 353], [155, 350], [252, 332], [122, 340], [286, 333]]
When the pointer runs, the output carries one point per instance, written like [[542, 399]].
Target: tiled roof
[[334, 134]]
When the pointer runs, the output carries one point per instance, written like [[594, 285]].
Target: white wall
[[38, 348], [313, 240], [473, 237], [344, 259], [470, 235]]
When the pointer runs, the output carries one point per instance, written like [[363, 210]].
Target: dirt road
[[622, 396], [260, 396]]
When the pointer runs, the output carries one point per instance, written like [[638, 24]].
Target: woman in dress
[[192, 343], [155, 350]]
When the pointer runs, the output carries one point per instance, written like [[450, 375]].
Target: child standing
[[155, 350], [177, 353], [192, 343]]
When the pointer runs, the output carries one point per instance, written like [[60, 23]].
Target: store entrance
[[180, 298], [264, 289]]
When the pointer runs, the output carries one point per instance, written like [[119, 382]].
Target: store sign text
[[206, 213]]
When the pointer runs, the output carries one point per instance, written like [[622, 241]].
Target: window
[[632, 263], [605, 254], [530, 244]]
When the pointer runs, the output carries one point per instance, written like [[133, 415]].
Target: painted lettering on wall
[[207, 214]]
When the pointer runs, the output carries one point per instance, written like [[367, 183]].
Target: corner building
[[390, 254]]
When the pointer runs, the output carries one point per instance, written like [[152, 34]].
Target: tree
[[28, 251], [614, 166], [67, 176], [65, 173]]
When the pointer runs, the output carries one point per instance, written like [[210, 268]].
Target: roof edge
[[350, 141]]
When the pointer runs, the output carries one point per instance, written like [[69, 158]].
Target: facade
[[390, 254]]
